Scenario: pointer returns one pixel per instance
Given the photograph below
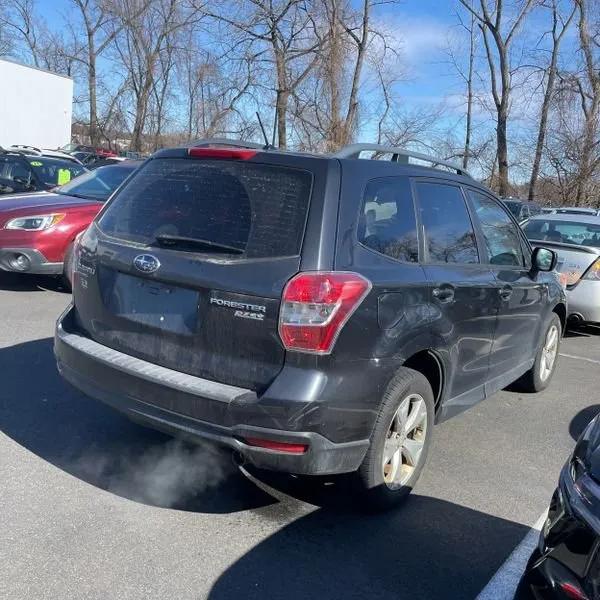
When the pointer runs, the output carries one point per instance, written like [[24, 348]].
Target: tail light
[[572, 590], [593, 272], [316, 306]]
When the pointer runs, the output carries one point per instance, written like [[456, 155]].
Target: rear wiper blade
[[178, 241]]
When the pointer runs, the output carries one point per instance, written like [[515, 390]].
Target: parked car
[[566, 563], [37, 231], [576, 239], [522, 210], [577, 210], [70, 148], [32, 150], [307, 311], [101, 161], [22, 172]]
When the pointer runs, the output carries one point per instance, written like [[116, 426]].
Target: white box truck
[[35, 106]]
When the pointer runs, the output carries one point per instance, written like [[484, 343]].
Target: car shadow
[[581, 420], [587, 330], [98, 445], [428, 548], [22, 282]]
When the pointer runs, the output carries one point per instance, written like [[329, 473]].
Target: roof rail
[[400, 155], [226, 142], [24, 148]]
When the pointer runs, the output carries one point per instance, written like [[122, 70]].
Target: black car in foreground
[[566, 564], [315, 313]]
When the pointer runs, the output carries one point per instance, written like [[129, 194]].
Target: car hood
[[42, 200]]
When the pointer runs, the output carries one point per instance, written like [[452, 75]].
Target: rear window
[[259, 210], [565, 232]]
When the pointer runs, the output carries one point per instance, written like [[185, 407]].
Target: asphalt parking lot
[[94, 506]]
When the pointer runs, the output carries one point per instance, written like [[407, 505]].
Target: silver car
[[576, 239]]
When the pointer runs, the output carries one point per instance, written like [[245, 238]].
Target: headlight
[[34, 223]]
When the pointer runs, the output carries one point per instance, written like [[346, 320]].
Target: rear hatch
[[186, 264]]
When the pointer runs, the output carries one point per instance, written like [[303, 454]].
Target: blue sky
[[423, 29], [422, 25]]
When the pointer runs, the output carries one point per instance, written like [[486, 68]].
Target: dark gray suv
[[315, 313]]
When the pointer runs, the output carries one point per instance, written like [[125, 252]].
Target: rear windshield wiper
[[181, 242]]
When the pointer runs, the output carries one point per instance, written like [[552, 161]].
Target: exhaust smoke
[[166, 475]]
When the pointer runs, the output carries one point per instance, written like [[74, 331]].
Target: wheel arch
[[561, 310], [430, 365]]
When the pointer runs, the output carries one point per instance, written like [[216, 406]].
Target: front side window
[[447, 228], [15, 174], [387, 220], [502, 239]]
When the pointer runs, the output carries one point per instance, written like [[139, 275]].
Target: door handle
[[505, 292], [443, 294]]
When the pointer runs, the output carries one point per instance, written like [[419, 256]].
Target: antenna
[[262, 128], [274, 128]]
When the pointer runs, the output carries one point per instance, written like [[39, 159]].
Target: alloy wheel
[[404, 441], [549, 353]]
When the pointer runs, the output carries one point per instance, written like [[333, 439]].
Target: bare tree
[[99, 31], [145, 36], [20, 18], [492, 24], [588, 86], [348, 37], [467, 74], [284, 34], [560, 25]]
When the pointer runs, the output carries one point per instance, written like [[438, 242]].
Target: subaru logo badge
[[146, 263]]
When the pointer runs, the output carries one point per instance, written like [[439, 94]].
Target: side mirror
[[543, 259]]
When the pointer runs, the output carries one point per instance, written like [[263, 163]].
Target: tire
[[67, 264], [382, 486], [538, 378]]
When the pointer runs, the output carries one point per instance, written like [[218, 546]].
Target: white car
[[33, 151], [576, 240]]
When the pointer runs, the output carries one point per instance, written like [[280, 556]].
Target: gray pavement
[[93, 506]]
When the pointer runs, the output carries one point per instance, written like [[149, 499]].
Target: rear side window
[[502, 239], [447, 228], [258, 210], [387, 220]]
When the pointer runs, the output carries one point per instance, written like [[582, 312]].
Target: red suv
[[37, 230]]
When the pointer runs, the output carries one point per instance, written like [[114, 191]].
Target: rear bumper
[[151, 395], [584, 300], [37, 262]]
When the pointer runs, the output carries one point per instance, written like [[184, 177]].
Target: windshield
[[514, 207], [55, 171], [98, 184], [565, 232]]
